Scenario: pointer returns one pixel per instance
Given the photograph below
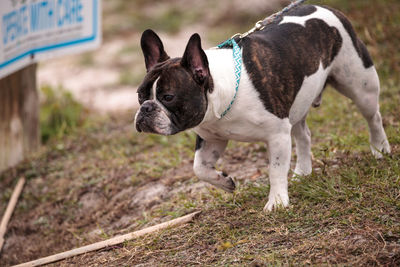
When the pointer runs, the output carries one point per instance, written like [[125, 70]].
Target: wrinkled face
[[172, 103], [173, 93]]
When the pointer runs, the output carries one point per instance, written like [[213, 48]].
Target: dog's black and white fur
[[286, 68]]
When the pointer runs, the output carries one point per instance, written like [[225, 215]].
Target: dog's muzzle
[[142, 124], [151, 118]]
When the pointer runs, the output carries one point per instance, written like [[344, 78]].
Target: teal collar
[[237, 58]]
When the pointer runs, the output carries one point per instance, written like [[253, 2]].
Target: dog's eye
[[168, 98]]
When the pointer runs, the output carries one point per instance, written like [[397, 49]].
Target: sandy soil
[[94, 78]]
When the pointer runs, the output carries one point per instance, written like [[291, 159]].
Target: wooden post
[[19, 116]]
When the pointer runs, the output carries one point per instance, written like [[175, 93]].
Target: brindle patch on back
[[279, 57]]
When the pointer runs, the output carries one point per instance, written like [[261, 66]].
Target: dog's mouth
[[154, 125], [142, 126], [139, 127]]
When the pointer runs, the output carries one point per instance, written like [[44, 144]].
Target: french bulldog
[[286, 67]]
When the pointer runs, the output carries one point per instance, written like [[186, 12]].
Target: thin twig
[[110, 242], [10, 209]]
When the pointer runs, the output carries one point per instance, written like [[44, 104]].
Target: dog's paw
[[299, 172], [379, 150], [225, 182], [276, 201]]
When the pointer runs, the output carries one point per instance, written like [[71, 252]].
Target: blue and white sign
[[35, 30]]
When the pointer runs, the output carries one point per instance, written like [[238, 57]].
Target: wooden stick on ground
[[10, 209], [110, 242]]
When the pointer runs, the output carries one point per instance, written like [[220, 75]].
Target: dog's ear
[[153, 49], [195, 60]]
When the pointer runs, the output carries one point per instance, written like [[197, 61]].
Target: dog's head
[[173, 94]]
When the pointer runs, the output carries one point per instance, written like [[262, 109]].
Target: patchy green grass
[[346, 215], [97, 182], [76, 185], [60, 113], [337, 217]]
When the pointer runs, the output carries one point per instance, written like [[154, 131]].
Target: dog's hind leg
[[354, 75], [362, 86], [207, 154], [302, 137]]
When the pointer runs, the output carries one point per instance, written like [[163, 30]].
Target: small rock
[[148, 195], [90, 201]]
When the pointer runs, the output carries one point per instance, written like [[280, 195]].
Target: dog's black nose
[[147, 107]]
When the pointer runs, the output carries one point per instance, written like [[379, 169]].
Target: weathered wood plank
[[19, 116]]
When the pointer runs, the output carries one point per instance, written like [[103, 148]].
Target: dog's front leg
[[279, 146], [302, 137], [207, 154]]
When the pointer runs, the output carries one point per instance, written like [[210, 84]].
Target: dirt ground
[[96, 185], [67, 203]]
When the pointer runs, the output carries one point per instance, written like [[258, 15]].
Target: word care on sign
[[34, 30]]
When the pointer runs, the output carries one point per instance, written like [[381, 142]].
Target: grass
[[60, 113], [339, 215], [84, 186], [343, 216]]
